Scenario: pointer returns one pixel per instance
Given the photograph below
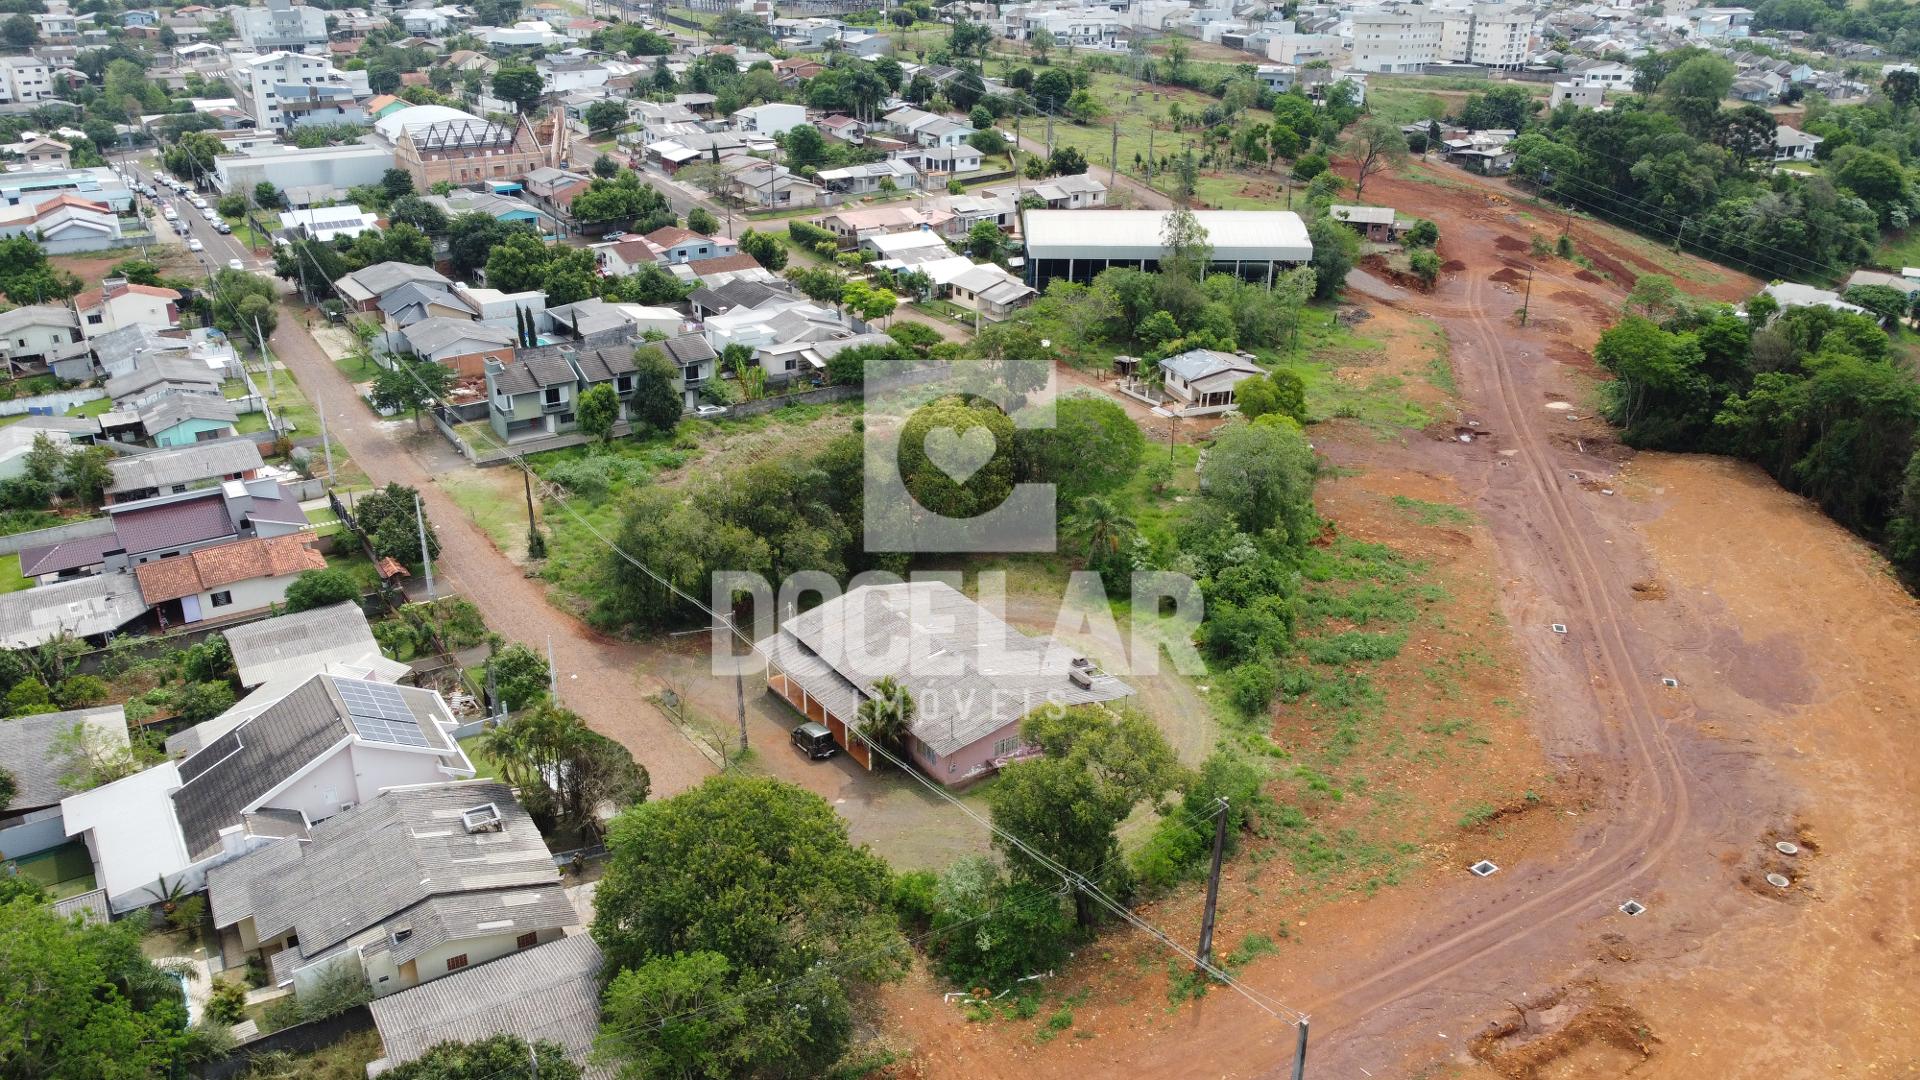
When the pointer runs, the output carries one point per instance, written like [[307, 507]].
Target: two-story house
[[37, 338], [118, 303]]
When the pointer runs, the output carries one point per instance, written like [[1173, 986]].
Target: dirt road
[[600, 678]]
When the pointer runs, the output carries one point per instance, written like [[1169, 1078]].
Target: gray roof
[[532, 373], [38, 315], [688, 349], [73, 425], [179, 408], [737, 293], [91, 906], [307, 641], [214, 459], [549, 993], [419, 293], [603, 365], [26, 745], [405, 853], [970, 673], [230, 775], [98, 604], [117, 349], [154, 371], [429, 336], [380, 278], [1196, 364]]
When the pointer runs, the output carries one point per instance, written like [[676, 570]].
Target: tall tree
[[656, 401], [1376, 145]]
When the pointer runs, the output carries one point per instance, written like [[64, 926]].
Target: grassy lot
[[248, 235], [1325, 350], [233, 388], [493, 499], [324, 521], [14, 419], [484, 767], [296, 413], [1404, 106], [1141, 113], [92, 408], [357, 367], [1898, 249], [10, 579]]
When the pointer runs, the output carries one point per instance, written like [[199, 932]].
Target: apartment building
[[285, 90], [1490, 35], [25, 78], [1395, 39], [282, 25]]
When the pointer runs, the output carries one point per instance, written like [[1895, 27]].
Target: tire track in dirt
[[1649, 808]]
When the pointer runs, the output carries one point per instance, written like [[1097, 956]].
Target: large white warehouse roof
[[1130, 235]]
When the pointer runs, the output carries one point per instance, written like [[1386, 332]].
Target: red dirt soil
[[1792, 648]]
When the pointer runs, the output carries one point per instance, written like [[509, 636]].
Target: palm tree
[[887, 715], [1101, 525]]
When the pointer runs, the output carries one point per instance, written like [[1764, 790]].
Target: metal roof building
[[1078, 244]]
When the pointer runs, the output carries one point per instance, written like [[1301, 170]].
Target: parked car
[[709, 412], [222, 228], [816, 740], [196, 245]]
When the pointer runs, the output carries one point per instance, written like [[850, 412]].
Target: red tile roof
[[723, 264], [668, 235], [211, 568]]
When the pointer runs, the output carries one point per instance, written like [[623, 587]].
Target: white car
[[196, 245], [236, 264], [710, 412]]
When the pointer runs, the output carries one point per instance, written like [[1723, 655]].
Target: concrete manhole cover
[[1632, 907], [1559, 628], [1779, 881], [1785, 847], [1483, 868]]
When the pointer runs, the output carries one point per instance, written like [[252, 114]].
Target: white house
[[1201, 381], [1792, 144], [323, 748], [118, 303], [772, 118]]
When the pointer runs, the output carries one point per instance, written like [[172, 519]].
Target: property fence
[[298, 1039], [54, 404], [54, 534]]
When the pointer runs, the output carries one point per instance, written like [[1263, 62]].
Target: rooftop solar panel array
[[380, 713]]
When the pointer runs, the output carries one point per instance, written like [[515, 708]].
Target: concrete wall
[[36, 832], [59, 401], [100, 526]]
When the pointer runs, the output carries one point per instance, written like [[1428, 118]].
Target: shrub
[[1422, 234], [913, 898], [1426, 266], [810, 234], [203, 701], [79, 691], [228, 1003], [1251, 686]]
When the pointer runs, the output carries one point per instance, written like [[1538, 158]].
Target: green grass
[[233, 388], [297, 415], [357, 367], [484, 767], [95, 407], [1325, 347], [1898, 249], [10, 579], [1433, 513], [14, 419], [500, 513]]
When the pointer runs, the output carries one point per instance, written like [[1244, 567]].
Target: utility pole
[[266, 359], [426, 557], [1300, 1052], [1113, 157], [1049, 136], [1528, 300], [326, 444], [1150, 158], [553, 674], [526, 477], [1205, 952], [739, 682]]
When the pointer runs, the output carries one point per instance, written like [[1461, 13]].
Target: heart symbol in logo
[[959, 454]]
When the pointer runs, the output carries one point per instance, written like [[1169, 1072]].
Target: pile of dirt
[[1590, 277], [1583, 1031], [1649, 590], [1508, 243], [1507, 276], [1452, 266]]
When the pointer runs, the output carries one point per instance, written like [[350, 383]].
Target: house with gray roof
[[458, 344], [534, 396], [185, 419], [415, 883], [93, 606], [215, 461], [363, 288], [973, 677], [272, 648], [416, 301], [550, 993], [1200, 382], [154, 377], [37, 338], [31, 822]]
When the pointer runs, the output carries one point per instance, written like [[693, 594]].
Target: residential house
[[875, 176], [1908, 283], [498, 207], [1791, 294], [531, 398], [768, 185], [25, 79], [1606, 74], [991, 291], [550, 993], [164, 375], [1200, 382], [362, 289], [973, 677], [31, 822], [328, 746], [844, 128], [460, 344], [672, 245], [63, 224], [226, 580], [326, 223], [772, 118], [417, 301], [708, 302], [1375, 223], [594, 322], [118, 304], [796, 70], [904, 248], [1579, 95], [923, 128], [851, 225], [778, 330], [89, 608], [413, 883], [41, 152], [17, 440], [37, 337], [185, 419], [696, 360], [1792, 144], [1071, 192], [186, 468], [714, 272]]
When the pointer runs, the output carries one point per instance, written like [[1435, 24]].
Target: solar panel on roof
[[380, 713]]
